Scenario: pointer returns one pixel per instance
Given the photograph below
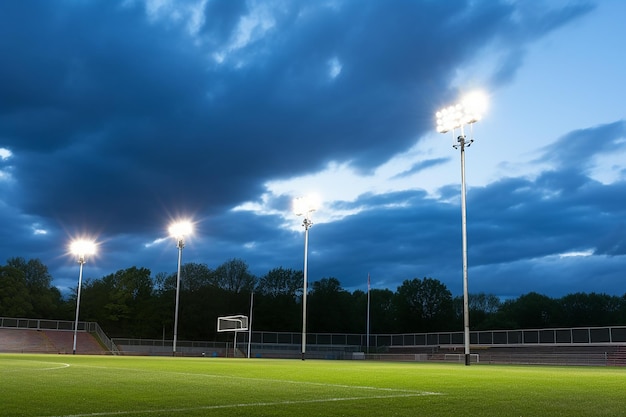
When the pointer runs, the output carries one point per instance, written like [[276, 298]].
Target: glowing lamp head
[[181, 229], [474, 106], [82, 248], [469, 110], [305, 205]]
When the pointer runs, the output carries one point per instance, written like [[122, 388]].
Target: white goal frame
[[460, 357], [238, 323]]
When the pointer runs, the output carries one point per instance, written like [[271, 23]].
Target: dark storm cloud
[[614, 242], [221, 18], [552, 233], [118, 122], [577, 149], [524, 219], [103, 102]]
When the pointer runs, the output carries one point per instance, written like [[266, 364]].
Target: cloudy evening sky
[[117, 117]]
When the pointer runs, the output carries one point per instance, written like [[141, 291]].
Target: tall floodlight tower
[[305, 206], [80, 248], [178, 231], [467, 112]]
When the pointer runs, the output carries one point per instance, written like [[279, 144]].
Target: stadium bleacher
[[48, 341]]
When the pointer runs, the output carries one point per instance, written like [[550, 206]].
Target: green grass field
[[65, 385]]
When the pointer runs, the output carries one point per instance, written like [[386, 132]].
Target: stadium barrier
[[580, 345], [61, 325], [551, 336]]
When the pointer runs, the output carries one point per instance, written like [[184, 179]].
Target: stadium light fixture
[[468, 111], [305, 206], [81, 248], [179, 231]]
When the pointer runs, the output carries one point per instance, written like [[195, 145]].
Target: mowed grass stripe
[[150, 386], [155, 385], [266, 380], [244, 405]]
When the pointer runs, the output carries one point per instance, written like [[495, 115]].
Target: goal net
[[232, 323]]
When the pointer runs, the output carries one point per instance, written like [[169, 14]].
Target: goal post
[[232, 323], [459, 357], [238, 323]]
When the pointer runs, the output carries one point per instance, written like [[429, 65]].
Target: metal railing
[[553, 336], [575, 336]]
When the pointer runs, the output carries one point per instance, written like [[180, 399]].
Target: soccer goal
[[232, 323], [459, 357]]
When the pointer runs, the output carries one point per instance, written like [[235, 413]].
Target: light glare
[[469, 110], [83, 247], [475, 103], [180, 229], [306, 204]]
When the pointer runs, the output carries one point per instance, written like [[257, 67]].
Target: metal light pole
[[178, 231], [80, 248], [304, 206], [250, 324], [456, 117]]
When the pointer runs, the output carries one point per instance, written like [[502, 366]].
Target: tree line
[[135, 304]]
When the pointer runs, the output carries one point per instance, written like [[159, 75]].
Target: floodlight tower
[[80, 248], [178, 231], [467, 112], [304, 206]]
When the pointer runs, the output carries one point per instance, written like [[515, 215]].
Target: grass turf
[[51, 385]]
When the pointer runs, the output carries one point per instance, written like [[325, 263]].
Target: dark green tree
[[121, 302], [483, 309], [277, 306], [194, 276], [330, 308], [281, 281], [424, 305], [234, 276], [383, 311], [593, 309], [622, 311], [200, 301], [530, 311], [45, 299], [14, 296]]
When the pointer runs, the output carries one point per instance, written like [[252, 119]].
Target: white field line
[[280, 381], [258, 404], [388, 393], [22, 369]]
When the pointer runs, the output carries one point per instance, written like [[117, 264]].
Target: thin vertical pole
[[180, 246], [368, 313], [81, 261], [461, 140], [250, 323], [304, 291]]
